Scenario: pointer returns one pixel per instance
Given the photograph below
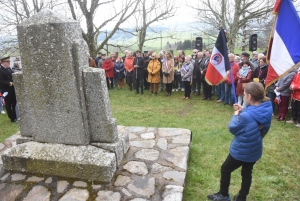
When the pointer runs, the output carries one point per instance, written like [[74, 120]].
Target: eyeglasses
[[194, 52]]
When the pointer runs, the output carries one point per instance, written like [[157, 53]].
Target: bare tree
[[233, 15], [148, 13], [14, 12], [89, 9]]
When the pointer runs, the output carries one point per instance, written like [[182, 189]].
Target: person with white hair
[[187, 76], [237, 59]]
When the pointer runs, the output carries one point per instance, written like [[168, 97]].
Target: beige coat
[[170, 78]]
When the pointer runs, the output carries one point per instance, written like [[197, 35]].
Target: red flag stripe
[[213, 76]]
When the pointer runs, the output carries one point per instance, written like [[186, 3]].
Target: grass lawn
[[276, 176]]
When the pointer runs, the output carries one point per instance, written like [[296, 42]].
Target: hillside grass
[[276, 175]]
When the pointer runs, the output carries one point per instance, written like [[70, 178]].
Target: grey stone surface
[[83, 162], [38, 193], [182, 139], [11, 192], [148, 136], [178, 156], [35, 179], [5, 177], [125, 140], [116, 148], [126, 192], [2, 186], [138, 199], [2, 146], [143, 144], [61, 186], [147, 154], [80, 184], [143, 186], [170, 132], [57, 105], [108, 196], [175, 176], [162, 143], [75, 195], [173, 193], [49, 180], [17, 177], [132, 136], [134, 129], [136, 167], [122, 180], [158, 168], [103, 127], [96, 187]]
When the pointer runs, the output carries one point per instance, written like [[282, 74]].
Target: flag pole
[[232, 86]]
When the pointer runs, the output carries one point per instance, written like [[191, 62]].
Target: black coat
[[139, 71], [197, 65], [261, 73], [5, 79]]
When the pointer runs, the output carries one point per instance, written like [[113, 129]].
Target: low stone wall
[[154, 168]]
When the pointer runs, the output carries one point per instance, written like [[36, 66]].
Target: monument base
[[81, 162]]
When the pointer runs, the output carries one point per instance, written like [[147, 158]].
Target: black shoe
[[239, 198], [13, 120], [218, 196]]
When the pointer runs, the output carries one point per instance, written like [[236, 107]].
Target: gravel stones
[[136, 167]]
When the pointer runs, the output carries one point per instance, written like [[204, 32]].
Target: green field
[[276, 176]]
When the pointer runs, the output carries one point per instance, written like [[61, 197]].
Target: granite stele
[[66, 121]]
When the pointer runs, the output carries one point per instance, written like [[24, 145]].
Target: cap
[[246, 54], [3, 59], [145, 52], [17, 59], [99, 52]]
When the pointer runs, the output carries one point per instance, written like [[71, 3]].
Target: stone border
[[154, 168]]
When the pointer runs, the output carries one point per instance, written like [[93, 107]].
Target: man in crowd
[[8, 89], [245, 58], [197, 74], [98, 58], [207, 89], [139, 72], [146, 62], [128, 64]]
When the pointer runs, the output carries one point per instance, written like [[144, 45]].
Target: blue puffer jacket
[[247, 142]]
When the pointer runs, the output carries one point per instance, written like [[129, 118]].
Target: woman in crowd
[[283, 87], [187, 76], [248, 125], [108, 66], [243, 78], [154, 75], [261, 71], [168, 72], [295, 87], [120, 72]]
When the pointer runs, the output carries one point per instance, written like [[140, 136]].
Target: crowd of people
[[148, 70]]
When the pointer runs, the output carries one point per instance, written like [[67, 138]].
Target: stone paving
[[154, 168]]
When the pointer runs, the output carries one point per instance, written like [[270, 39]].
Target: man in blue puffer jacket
[[248, 125]]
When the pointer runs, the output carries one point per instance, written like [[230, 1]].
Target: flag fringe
[[284, 74], [208, 82]]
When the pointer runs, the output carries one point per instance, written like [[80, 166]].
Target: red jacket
[[108, 66], [235, 70], [296, 89]]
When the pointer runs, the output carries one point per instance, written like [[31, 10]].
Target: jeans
[[229, 165], [228, 99], [221, 91]]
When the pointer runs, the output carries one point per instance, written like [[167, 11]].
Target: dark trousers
[[283, 106], [169, 88], [138, 84], [10, 105], [187, 88], [229, 165], [146, 83], [176, 81], [198, 85], [272, 97], [110, 82], [194, 84], [296, 110], [206, 89], [130, 82]]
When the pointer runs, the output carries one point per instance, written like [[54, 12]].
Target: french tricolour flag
[[284, 45], [219, 63]]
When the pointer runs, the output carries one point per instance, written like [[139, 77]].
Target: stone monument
[[66, 121]]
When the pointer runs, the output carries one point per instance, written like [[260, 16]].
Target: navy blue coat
[[247, 142], [121, 69]]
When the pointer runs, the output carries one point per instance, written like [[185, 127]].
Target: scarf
[[244, 71]]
